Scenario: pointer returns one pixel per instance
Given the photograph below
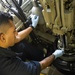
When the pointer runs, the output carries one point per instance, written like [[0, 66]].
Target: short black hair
[[5, 17]]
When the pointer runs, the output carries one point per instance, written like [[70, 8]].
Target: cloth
[[28, 51], [11, 64]]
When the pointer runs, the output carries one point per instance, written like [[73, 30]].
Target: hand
[[34, 19], [58, 53]]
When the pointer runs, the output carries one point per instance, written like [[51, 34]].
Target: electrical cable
[[20, 11]]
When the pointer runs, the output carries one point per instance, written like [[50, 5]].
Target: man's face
[[10, 35]]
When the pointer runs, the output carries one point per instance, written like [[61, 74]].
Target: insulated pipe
[[62, 13], [58, 12]]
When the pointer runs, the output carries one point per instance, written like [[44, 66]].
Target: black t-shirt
[[11, 64]]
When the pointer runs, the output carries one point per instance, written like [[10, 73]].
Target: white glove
[[34, 19], [58, 53]]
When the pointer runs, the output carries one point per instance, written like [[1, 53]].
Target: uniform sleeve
[[18, 67], [33, 68], [27, 68]]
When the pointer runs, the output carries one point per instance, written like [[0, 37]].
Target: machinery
[[55, 30]]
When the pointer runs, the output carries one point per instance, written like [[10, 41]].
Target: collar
[[7, 52]]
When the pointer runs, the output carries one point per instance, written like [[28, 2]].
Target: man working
[[10, 63]]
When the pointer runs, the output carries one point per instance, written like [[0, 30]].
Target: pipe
[[62, 13], [58, 12]]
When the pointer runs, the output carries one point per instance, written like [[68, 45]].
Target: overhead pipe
[[62, 13], [58, 12]]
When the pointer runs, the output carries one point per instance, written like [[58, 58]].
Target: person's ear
[[2, 37]]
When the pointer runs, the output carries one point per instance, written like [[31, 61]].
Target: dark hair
[[5, 17]]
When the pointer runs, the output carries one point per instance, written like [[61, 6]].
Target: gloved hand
[[58, 53], [34, 19]]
